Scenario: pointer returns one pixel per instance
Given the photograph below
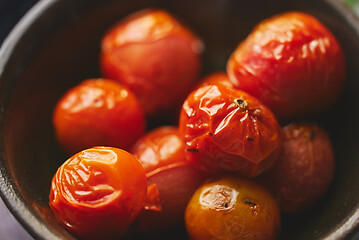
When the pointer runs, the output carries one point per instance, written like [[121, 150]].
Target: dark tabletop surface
[[11, 12]]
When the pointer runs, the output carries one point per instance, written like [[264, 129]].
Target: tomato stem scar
[[249, 202], [242, 104]]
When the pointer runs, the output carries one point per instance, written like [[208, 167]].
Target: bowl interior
[[59, 47]]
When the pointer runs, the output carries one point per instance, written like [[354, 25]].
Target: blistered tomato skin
[[98, 112], [227, 130], [98, 192], [305, 169], [162, 154], [291, 63], [231, 208], [155, 56]]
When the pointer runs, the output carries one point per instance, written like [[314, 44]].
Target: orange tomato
[[98, 112], [232, 208], [98, 192]]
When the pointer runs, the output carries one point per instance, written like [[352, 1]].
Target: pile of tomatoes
[[235, 158]]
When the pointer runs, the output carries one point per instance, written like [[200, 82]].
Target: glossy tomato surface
[[217, 78], [305, 169], [292, 63], [98, 192], [162, 154], [160, 148], [155, 56], [231, 208], [228, 130], [98, 112]]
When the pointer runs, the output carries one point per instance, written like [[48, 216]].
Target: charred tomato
[[155, 56], [98, 192], [98, 112], [232, 208], [229, 130], [292, 63]]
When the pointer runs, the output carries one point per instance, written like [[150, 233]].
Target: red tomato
[[290, 62], [305, 169], [231, 208], [162, 154], [160, 148], [155, 56], [228, 130], [98, 112], [220, 78], [98, 192]]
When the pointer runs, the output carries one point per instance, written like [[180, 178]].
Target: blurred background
[[11, 12], [353, 4]]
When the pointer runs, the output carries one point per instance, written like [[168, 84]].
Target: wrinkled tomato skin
[[305, 169], [232, 208], [162, 155], [290, 62], [155, 56], [227, 130], [98, 112], [98, 192]]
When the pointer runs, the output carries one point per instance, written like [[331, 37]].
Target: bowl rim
[[8, 192], [13, 200]]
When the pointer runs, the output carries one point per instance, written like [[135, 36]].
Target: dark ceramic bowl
[[56, 45]]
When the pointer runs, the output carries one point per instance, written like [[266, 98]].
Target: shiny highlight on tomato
[[155, 56], [227, 130], [98, 112], [232, 208], [98, 192], [292, 63]]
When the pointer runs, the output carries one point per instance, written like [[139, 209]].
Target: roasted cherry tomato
[[290, 62], [98, 192], [218, 78], [228, 130], [305, 169], [162, 154], [231, 208], [155, 56], [98, 112]]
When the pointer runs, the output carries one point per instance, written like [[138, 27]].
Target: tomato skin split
[[232, 208]]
